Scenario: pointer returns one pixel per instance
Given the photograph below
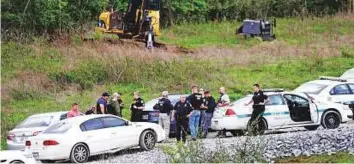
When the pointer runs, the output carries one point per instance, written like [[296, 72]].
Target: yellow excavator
[[141, 21]]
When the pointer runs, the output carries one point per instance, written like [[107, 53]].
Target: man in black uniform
[[210, 104], [181, 112], [259, 100], [196, 100], [165, 107], [136, 107]]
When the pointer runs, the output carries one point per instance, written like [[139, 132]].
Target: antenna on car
[[332, 78], [273, 90]]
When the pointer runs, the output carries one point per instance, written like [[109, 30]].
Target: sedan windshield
[[32, 122], [311, 88], [60, 127]]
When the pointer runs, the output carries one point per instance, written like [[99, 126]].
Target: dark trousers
[[136, 116], [181, 128], [256, 116]]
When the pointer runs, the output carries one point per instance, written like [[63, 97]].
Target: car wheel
[[147, 140], [313, 127], [236, 132], [17, 162], [331, 120], [79, 154]]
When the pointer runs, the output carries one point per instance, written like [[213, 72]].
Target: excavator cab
[[140, 21]]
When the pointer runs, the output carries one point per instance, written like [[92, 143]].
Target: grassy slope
[[30, 82], [335, 158], [292, 31]]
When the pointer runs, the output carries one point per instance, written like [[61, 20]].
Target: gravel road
[[280, 143]]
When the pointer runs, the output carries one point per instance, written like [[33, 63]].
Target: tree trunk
[[170, 12]]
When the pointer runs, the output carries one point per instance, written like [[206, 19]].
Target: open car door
[[313, 108]]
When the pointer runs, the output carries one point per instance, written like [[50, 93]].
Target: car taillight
[[36, 133], [230, 112], [28, 143], [50, 142], [10, 137]]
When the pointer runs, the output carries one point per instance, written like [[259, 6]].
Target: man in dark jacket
[[136, 107], [101, 104], [181, 112], [210, 107], [165, 107]]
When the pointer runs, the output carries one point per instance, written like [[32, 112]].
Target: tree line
[[26, 18]]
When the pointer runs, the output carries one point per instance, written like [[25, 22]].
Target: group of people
[[190, 112]]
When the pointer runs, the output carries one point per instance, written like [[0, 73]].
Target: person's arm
[[173, 112], [265, 99], [69, 115], [102, 108], [250, 102]]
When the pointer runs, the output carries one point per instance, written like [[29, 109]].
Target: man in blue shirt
[[101, 106]]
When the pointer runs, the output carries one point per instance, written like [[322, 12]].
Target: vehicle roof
[[49, 114], [325, 82]]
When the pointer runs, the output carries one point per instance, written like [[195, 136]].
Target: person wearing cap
[[210, 107], [165, 106], [259, 100], [113, 105], [223, 100], [74, 111], [101, 105], [196, 100], [136, 107], [180, 113]]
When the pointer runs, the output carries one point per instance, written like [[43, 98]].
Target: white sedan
[[284, 110], [30, 127], [79, 138], [16, 157]]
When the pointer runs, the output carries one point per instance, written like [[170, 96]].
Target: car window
[[37, 121], [60, 127], [275, 100], [311, 88], [340, 90], [351, 86], [112, 122], [93, 124], [295, 98]]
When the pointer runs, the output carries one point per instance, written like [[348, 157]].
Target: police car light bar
[[332, 78], [273, 90]]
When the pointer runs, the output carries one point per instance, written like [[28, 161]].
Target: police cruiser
[[283, 110]]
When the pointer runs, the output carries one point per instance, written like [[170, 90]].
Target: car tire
[[17, 162], [313, 127], [236, 132], [147, 140], [331, 120], [79, 154]]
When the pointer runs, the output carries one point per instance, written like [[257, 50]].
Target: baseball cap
[[105, 94]]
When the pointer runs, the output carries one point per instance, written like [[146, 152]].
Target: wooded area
[[25, 18]]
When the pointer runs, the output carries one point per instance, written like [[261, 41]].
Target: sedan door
[[122, 134], [277, 112], [96, 135]]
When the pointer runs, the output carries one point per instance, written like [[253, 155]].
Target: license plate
[[35, 155], [145, 117]]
